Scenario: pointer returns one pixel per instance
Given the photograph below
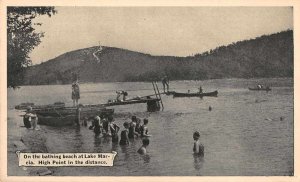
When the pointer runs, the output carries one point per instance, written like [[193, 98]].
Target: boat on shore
[[57, 121], [68, 115], [24, 106], [207, 94]]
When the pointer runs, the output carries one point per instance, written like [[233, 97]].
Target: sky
[[172, 31]]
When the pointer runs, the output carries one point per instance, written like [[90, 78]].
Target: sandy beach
[[24, 140]]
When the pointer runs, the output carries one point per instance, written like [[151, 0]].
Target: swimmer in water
[[124, 135], [138, 126], [132, 126], [144, 129], [198, 148], [143, 150]]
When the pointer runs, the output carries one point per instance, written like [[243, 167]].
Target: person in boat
[[123, 93], [200, 90], [114, 129], [143, 149], [124, 134], [198, 148], [144, 129], [75, 93], [259, 86], [165, 82], [132, 127]]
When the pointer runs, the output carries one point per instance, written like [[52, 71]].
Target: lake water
[[242, 135]]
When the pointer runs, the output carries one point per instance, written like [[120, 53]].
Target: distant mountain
[[265, 56]]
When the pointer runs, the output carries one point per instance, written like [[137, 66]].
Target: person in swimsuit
[[144, 129], [143, 150], [97, 126], [138, 126], [124, 135], [198, 148], [132, 126], [104, 121], [114, 129]]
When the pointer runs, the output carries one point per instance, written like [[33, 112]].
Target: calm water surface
[[242, 135]]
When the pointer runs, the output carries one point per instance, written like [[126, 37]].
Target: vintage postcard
[[144, 90]]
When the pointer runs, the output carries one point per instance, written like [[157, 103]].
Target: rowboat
[[24, 106], [84, 111], [56, 120], [208, 94], [260, 89], [68, 115]]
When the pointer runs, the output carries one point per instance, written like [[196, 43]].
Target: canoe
[[259, 89], [208, 94]]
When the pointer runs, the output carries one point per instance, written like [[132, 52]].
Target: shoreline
[[24, 140]]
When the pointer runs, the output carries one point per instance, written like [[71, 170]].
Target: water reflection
[[198, 161], [97, 143], [115, 147], [77, 139], [146, 158], [124, 149]]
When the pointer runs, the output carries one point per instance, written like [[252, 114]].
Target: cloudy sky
[[177, 31]]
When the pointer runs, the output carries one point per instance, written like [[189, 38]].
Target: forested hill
[[266, 56]]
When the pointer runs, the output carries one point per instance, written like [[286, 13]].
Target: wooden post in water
[[77, 118], [162, 105], [153, 105]]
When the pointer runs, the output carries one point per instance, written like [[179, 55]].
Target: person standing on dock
[[165, 82], [75, 93]]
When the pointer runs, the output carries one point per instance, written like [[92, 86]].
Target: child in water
[[97, 126], [143, 150], [138, 126], [132, 127], [114, 129], [124, 135], [198, 147], [144, 129]]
